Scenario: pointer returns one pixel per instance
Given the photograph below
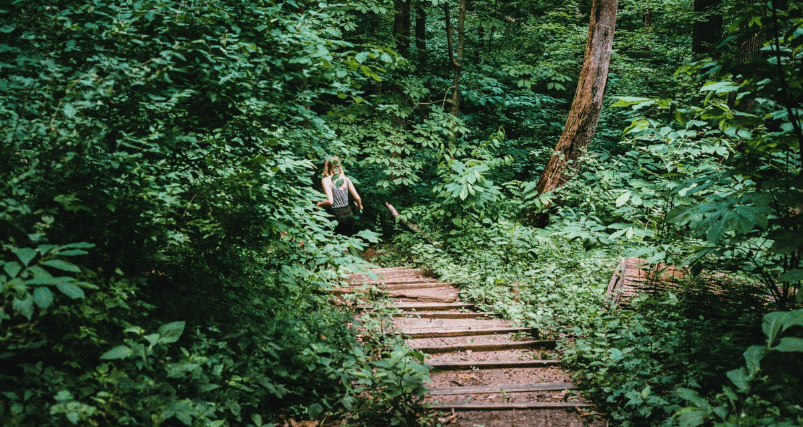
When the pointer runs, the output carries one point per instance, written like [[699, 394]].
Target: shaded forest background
[[164, 262]]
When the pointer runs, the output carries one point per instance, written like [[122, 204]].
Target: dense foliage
[[164, 261]]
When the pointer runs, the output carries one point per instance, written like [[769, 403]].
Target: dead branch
[[412, 227]]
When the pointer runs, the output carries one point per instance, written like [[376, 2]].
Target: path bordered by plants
[[485, 371]]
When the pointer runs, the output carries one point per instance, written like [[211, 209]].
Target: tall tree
[[421, 34], [587, 105], [707, 31], [456, 61], [401, 27]]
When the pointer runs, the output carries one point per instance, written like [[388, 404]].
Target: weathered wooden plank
[[445, 315], [498, 346], [509, 364], [396, 280], [425, 306], [507, 405], [503, 388], [418, 285], [466, 332]]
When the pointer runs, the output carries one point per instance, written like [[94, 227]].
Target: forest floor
[[485, 371]]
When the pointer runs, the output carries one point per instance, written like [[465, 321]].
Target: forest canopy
[[164, 261]]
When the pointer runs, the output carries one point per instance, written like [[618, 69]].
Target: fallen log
[[412, 227]]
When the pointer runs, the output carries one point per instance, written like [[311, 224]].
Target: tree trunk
[[421, 35], [456, 62], [587, 105], [401, 27], [705, 33]]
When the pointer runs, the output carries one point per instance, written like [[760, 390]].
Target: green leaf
[[720, 87], [12, 268], [790, 345], [25, 255], [170, 332], [61, 265], [691, 417], [795, 275], [740, 379], [793, 318], [71, 290], [43, 297], [626, 101], [622, 199], [361, 57], [314, 410], [753, 356], [772, 325], [119, 352], [24, 306]]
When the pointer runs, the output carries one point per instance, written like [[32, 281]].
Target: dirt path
[[486, 372]]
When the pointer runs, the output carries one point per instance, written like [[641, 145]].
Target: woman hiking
[[337, 187]]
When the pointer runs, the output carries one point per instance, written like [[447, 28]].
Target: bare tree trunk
[[587, 105], [455, 62], [706, 33], [421, 35], [401, 27]]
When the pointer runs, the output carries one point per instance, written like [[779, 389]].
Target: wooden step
[[504, 388], [506, 406], [446, 315], [418, 285], [511, 364], [496, 346], [465, 332], [398, 280], [424, 306], [384, 269]]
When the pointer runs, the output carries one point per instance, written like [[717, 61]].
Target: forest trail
[[486, 371]]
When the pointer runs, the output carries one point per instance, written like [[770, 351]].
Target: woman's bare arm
[[327, 188], [355, 195]]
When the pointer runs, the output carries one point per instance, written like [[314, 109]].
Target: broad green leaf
[[314, 410], [691, 417], [720, 87], [12, 268], [24, 306], [790, 345], [626, 101], [753, 356], [71, 290], [43, 297], [691, 396], [793, 318], [772, 325], [170, 332], [622, 199], [25, 255], [361, 57], [61, 265], [119, 352], [740, 379], [795, 275]]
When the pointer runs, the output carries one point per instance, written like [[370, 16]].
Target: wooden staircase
[[482, 366]]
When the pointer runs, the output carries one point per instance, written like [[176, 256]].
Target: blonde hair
[[331, 167]]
